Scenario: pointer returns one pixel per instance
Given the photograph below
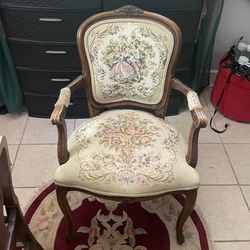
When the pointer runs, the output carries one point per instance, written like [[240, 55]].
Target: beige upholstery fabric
[[64, 97], [127, 153], [128, 59], [193, 100]]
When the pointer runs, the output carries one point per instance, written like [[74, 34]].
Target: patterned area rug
[[148, 225]]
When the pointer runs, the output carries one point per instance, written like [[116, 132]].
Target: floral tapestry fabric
[[126, 152], [128, 59], [124, 159]]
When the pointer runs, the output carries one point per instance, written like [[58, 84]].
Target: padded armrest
[[193, 100], [64, 97]]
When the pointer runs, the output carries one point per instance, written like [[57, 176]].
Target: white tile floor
[[224, 167]]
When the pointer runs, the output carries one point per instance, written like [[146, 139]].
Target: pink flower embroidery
[[145, 140], [43, 223], [118, 142], [107, 159]]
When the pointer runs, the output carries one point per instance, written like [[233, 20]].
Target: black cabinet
[[42, 37]]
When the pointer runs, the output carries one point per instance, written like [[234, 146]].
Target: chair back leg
[[61, 194]]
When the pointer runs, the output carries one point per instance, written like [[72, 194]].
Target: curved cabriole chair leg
[[186, 211], [61, 194]]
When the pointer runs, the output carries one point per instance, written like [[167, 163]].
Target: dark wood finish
[[58, 119], [14, 229], [159, 109]]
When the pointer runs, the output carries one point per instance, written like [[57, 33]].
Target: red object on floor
[[235, 103]]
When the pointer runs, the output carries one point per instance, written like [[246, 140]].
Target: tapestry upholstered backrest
[[127, 54]]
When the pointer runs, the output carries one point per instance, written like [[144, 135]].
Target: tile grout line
[[39, 143], [211, 114], [219, 185], [223, 144], [19, 145], [74, 127], [221, 241], [231, 164], [27, 187]]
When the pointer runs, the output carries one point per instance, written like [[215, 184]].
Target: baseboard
[[213, 74]]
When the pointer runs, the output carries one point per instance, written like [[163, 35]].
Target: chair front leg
[[191, 196], [61, 194]]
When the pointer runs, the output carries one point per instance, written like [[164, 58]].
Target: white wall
[[235, 22]]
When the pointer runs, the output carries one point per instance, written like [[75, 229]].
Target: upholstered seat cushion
[[127, 153]]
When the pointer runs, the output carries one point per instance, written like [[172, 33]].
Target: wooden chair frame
[[13, 228], [198, 116]]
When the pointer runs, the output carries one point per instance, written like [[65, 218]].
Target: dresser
[[42, 38]]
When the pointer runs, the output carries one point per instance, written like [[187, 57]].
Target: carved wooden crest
[[129, 10]]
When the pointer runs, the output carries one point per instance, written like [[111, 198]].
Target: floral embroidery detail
[[105, 232], [126, 132], [128, 61], [126, 149]]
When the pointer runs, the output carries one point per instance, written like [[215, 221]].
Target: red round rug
[[148, 225]]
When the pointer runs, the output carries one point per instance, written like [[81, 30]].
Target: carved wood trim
[[199, 121], [129, 10]]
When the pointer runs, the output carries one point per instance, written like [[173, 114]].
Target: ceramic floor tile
[[239, 155], [214, 166], [12, 126], [203, 101], [237, 132], [12, 152], [80, 121], [183, 123], [246, 192], [41, 131], [207, 93], [231, 245], [25, 196], [35, 165], [225, 211]]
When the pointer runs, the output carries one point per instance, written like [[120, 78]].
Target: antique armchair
[[128, 58], [14, 231]]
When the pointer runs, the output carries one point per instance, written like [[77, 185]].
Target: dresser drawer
[[44, 56], [67, 4], [42, 106], [149, 4], [185, 58], [183, 75], [47, 83], [44, 25], [186, 13], [187, 20]]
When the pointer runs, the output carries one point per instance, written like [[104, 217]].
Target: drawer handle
[[60, 80], [71, 104], [56, 52], [55, 20]]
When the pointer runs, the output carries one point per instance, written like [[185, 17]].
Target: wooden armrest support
[[10, 199], [199, 120], [58, 117]]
